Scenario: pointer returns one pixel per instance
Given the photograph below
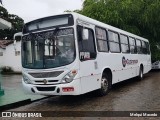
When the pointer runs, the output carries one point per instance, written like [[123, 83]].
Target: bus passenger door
[[87, 56]]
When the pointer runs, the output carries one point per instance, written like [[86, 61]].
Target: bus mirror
[[17, 36], [85, 34]]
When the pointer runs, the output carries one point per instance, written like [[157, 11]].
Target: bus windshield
[[48, 49]]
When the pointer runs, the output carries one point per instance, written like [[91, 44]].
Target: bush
[[6, 69]]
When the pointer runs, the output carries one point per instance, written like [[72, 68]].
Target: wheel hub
[[104, 84]]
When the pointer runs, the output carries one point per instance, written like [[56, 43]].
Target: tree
[[3, 12], [17, 24], [140, 17]]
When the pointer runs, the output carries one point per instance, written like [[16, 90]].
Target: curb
[[15, 105], [41, 99], [20, 103], [11, 73]]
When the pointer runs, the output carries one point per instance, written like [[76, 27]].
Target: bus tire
[[105, 85], [140, 73]]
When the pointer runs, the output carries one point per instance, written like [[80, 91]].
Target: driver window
[[86, 47]]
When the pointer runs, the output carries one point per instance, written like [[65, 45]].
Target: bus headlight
[[26, 79], [69, 77]]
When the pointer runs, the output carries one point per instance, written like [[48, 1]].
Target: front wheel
[[105, 85]]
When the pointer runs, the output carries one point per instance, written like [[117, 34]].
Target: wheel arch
[[108, 71], [141, 66]]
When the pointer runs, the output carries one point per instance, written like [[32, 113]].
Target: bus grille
[[49, 82], [46, 88], [46, 74]]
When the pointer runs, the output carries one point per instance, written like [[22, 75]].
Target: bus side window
[[86, 47], [113, 42], [102, 42], [132, 43], [147, 46], [124, 44], [144, 48], [139, 46]]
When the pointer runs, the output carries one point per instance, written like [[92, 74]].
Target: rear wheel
[[141, 73], [105, 85]]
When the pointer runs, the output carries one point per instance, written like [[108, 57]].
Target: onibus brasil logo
[[128, 62]]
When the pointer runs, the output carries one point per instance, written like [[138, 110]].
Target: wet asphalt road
[[130, 95]]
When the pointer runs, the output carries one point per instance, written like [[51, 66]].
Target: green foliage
[[141, 17], [6, 69], [17, 24], [3, 12]]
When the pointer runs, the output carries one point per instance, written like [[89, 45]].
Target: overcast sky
[[33, 9]]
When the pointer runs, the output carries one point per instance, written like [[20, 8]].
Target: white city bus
[[70, 54]]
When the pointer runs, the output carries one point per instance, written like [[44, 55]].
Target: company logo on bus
[[45, 81], [128, 62]]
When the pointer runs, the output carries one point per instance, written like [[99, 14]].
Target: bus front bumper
[[73, 88]]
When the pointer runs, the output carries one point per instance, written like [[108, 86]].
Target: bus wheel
[[105, 85], [141, 73]]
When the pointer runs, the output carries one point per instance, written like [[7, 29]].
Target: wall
[[10, 59]]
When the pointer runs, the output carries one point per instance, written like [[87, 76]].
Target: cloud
[[33, 9]]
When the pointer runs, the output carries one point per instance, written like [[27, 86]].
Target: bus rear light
[[68, 89]]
